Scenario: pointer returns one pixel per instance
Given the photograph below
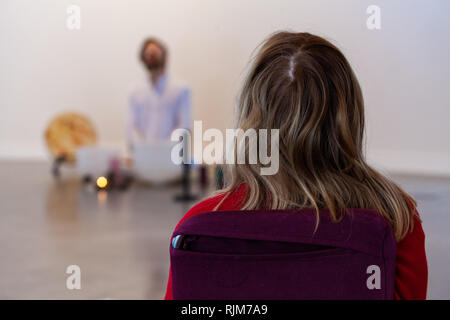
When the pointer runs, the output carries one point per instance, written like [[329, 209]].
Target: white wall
[[404, 68]]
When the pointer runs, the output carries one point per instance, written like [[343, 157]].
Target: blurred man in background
[[162, 104]]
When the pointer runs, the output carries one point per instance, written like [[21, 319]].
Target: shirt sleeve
[[411, 274], [132, 122], [184, 110]]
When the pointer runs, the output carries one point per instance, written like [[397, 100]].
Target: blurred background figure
[[160, 105]]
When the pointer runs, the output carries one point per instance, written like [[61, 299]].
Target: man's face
[[154, 57]]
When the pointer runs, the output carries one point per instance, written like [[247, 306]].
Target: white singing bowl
[[94, 160], [153, 163]]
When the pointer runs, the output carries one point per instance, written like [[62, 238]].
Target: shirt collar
[[160, 84]]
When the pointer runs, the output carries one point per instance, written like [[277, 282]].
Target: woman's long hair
[[303, 85]]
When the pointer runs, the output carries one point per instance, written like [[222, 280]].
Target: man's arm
[[411, 275], [184, 110], [133, 134]]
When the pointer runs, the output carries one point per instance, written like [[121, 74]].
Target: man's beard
[[152, 67]]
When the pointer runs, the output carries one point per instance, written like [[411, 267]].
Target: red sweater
[[411, 264]]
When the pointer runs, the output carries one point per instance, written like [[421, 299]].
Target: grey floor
[[120, 241]]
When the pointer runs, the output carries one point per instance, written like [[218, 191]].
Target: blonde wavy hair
[[303, 85]]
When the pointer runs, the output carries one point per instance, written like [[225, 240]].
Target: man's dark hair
[[156, 42]]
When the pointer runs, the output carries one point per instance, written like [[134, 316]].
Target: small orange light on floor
[[102, 182]]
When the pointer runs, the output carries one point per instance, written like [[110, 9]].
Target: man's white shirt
[[158, 109]]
